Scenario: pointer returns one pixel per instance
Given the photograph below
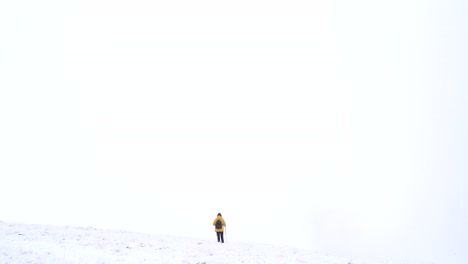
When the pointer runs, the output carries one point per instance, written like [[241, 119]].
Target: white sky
[[339, 125]]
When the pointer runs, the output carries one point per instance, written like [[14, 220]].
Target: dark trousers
[[220, 236]]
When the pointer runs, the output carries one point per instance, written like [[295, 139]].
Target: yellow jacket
[[222, 221]]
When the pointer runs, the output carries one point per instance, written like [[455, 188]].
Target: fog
[[335, 126]]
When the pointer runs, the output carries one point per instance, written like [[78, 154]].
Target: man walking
[[219, 227]]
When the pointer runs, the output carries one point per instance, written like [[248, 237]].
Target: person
[[220, 229]]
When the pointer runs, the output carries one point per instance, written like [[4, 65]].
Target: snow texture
[[34, 244]]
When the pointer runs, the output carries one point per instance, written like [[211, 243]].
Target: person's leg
[[219, 236], [222, 237]]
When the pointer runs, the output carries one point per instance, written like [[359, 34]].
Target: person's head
[[219, 214]]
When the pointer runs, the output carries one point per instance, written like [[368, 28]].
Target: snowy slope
[[21, 243]]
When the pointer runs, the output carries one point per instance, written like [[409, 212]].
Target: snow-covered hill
[[34, 244]]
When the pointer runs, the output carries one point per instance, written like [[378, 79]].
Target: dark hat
[[219, 214]]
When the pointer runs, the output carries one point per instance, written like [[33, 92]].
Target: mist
[[338, 127]]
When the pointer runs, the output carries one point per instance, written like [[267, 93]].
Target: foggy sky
[[336, 126]]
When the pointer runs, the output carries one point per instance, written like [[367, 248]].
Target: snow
[[25, 243]]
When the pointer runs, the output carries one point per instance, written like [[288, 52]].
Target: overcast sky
[[338, 126]]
